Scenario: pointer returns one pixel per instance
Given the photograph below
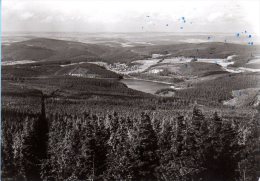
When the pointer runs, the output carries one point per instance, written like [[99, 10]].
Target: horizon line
[[92, 32]]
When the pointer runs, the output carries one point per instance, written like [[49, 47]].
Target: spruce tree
[[145, 150], [35, 145], [101, 147], [86, 159], [7, 161], [119, 163]]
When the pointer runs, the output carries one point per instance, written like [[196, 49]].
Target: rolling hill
[[48, 70], [203, 50], [45, 49]]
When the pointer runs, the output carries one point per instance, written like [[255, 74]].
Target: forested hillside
[[85, 146]]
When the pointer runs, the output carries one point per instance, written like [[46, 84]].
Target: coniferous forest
[[87, 146]]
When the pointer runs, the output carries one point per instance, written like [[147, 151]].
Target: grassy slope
[[177, 73], [190, 69], [205, 50]]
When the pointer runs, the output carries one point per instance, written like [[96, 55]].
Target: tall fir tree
[[119, 161], [145, 150]]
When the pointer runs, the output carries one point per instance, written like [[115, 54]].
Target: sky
[[226, 16]]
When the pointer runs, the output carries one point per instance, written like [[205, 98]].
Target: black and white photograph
[[130, 90]]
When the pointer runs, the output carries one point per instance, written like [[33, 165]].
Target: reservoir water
[[145, 85]]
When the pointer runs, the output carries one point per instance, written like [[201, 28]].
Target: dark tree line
[[113, 147]]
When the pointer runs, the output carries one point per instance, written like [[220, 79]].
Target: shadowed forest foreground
[[67, 147]]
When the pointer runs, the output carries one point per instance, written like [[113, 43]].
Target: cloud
[[129, 16], [26, 15], [214, 16]]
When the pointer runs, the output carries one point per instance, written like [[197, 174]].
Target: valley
[[168, 69], [120, 90]]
